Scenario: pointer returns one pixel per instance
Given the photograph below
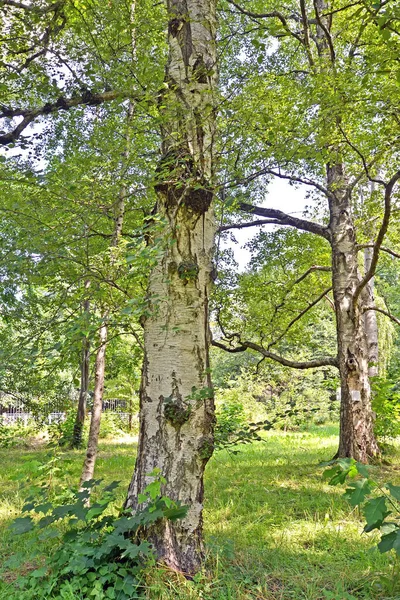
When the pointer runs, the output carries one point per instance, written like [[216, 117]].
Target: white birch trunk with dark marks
[[84, 385], [370, 319], [357, 438], [177, 407], [94, 430]]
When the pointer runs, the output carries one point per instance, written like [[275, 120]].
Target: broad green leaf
[[357, 491], [375, 511], [22, 525], [394, 490]]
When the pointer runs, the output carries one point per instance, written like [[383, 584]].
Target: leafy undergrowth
[[275, 530]]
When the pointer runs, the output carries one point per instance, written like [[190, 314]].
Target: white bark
[[356, 417], [177, 409], [370, 320]]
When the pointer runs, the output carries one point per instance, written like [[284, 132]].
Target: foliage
[[98, 554], [386, 404], [274, 397], [61, 432], [16, 434], [380, 504]]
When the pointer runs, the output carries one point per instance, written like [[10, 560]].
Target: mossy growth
[[188, 271], [176, 411]]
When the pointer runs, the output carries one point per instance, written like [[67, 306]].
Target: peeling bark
[[357, 438], [176, 398]]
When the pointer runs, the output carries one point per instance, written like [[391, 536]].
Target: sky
[[281, 196]]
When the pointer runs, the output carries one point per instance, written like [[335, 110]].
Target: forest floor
[[274, 529]]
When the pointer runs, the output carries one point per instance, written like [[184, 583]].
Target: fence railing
[[17, 413]]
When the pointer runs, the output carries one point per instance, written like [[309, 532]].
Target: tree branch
[[382, 232], [275, 14], [311, 364], [285, 219], [249, 224], [87, 98], [32, 7], [311, 270], [383, 249], [299, 316], [384, 312]]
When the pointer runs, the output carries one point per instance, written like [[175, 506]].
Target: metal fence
[[13, 410]]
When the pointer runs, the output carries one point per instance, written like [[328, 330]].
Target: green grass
[[274, 529]]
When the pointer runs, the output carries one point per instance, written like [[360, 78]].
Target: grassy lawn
[[274, 530]]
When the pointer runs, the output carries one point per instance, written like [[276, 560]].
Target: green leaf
[[95, 511], [387, 542], [44, 508], [375, 511], [112, 486], [176, 513], [357, 491], [39, 572], [22, 525], [394, 490]]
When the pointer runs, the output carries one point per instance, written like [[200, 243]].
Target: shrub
[[98, 554], [386, 404], [17, 434]]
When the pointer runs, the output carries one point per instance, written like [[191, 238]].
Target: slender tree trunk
[[370, 320], [176, 398], [91, 452], [357, 438], [84, 386]]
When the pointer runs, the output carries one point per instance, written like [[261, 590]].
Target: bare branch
[[32, 7], [294, 364], [326, 31], [383, 249], [285, 219], [299, 316], [366, 166], [306, 32], [268, 15], [311, 270], [384, 312], [249, 224]]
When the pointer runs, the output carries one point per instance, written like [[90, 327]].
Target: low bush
[[100, 550]]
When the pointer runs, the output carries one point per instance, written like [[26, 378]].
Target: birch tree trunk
[[357, 438], [100, 363], [84, 386], [370, 320], [119, 213], [176, 398]]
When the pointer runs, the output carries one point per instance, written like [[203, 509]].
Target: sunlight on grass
[[274, 529]]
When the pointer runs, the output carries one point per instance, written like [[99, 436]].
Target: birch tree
[[311, 105], [176, 397]]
